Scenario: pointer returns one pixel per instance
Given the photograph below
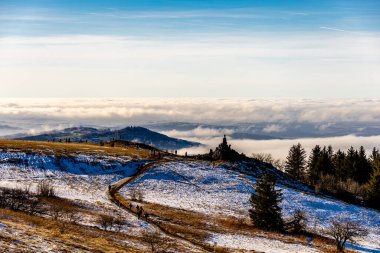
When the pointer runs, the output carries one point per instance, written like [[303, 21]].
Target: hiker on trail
[[139, 212], [146, 215]]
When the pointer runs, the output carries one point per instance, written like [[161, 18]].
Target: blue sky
[[324, 48]]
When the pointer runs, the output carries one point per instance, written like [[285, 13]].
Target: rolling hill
[[93, 135]]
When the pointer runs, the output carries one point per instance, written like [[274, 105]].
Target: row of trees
[[266, 214], [338, 172]]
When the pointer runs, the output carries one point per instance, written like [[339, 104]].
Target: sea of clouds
[[38, 115]]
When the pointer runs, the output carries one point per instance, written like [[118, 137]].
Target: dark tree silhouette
[[266, 212], [296, 161]]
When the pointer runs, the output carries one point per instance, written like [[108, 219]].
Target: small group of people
[[140, 212]]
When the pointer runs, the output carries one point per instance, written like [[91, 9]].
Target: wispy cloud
[[332, 29], [274, 128]]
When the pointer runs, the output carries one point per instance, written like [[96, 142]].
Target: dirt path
[[119, 200]]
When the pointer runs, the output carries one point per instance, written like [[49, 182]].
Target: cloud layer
[[199, 110], [279, 148]]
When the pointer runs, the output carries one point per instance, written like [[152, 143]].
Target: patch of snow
[[259, 244]]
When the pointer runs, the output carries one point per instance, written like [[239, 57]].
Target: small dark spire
[[224, 140]]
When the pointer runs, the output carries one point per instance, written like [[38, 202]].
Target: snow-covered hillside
[[219, 190], [78, 176]]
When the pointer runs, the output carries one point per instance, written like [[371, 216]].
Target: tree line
[[350, 175]]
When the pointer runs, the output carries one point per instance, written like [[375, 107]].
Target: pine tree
[[364, 169], [296, 161], [266, 212], [351, 163], [340, 169], [375, 155], [373, 190], [314, 157], [326, 164]]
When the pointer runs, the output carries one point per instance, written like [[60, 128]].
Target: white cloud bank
[[49, 114], [280, 148], [115, 112]]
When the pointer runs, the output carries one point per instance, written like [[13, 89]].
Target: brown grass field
[[59, 148]]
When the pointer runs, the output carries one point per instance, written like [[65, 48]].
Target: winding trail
[[119, 200]]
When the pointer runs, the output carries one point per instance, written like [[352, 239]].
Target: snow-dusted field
[[82, 178], [260, 244], [217, 190]]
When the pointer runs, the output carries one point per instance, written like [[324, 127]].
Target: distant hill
[[93, 135]]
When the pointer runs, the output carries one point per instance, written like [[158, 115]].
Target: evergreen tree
[[339, 166], [351, 163], [313, 171], [325, 164], [373, 189], [375, 155], [364, 169], [266, 212], [296, 161]]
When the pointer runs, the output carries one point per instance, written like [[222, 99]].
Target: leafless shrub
[[155, 242], [136, 194], [297, 222], [348, 190], [45, 189], [140, 195], [343, 230], [19, 200], [268, 158], [106, 222], [133, 194]]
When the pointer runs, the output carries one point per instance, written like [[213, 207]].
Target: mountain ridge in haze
[[94, 135]]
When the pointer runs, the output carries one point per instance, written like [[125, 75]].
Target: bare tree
[[343, 230], [119, 223], [268, 158], [106, 222], [155, 241], [297, 222], [140, 195], [136, 194], [45, 189]]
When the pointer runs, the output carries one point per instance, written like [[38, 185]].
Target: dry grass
[[197, 227], [64, 149], [74, 238], [192, 226]]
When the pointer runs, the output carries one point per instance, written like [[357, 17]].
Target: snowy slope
[[217, 190], [76, 177], [79, 177]]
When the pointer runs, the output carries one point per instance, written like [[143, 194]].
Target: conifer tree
[[373, 188], [339, 166], [375, 155], [364, 169], [314, 158], [296, 161], [266, 212], [351, 163], [326, 162]]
